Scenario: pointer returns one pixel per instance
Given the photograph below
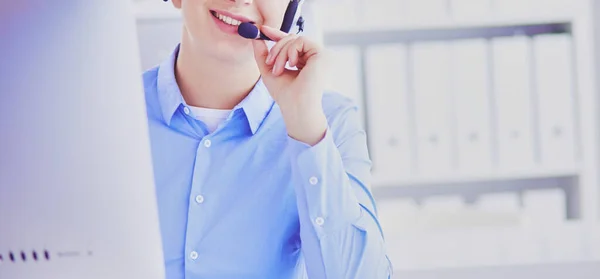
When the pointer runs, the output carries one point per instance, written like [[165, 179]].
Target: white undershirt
[[211, 117]]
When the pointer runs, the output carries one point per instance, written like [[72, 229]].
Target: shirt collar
[[256, 105], [169, 95]]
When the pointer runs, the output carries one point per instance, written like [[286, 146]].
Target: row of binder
[[351, 14], [498, 229], [529, 208], [468, 106]]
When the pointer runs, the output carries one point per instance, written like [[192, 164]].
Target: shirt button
[[199, 199], [313, 180], [194, 255], [207, 143], [319, 221], [186, 110]]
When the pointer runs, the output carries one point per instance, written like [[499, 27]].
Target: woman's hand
[[297, 92]]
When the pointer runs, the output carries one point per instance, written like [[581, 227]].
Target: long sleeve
[[339, 230]]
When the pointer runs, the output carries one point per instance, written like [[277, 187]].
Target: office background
[[492, 158]]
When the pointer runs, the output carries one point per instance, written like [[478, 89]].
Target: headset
[[293, 15]]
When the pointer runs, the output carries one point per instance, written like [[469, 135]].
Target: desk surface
[[580, 270]]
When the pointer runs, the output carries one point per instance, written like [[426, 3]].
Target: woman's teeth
[[228, 20]]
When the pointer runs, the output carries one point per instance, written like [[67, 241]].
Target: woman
[[259, 173]]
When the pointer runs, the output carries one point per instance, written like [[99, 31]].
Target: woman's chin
[[233, 52]]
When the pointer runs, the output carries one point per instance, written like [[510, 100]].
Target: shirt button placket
[[196, 207]]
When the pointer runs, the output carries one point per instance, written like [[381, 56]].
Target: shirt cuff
[[323, 187]]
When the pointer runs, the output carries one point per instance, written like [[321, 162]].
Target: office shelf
[[476, 177], [457, 24], [442, 32]]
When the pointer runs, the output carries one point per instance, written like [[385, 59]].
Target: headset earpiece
[[293, 17]]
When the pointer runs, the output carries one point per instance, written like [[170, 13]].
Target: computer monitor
[[77, 197]]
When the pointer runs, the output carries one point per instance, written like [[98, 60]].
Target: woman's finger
[[282, 58], [273, 33], [260, 55], [295, 51], [274, 52]]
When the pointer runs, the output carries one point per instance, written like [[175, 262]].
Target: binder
[[424, 11], [552, 7], [345, 16], [470, 9], [555, 95], [545, 206], [387, 88], [431, 93], [470, 87], [384, 14], [345, 75], [513, 105], [514, 8]]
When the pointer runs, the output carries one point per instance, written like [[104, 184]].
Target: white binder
[[345, 74], [470, 86], [387, 84], [552, 7], [431, 86], [514, 8], [555, 91], [470, 9], [339, 15], [513, 106], [423, 11], [384, 14]]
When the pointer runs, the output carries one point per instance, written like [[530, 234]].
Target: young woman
[[259, 172]]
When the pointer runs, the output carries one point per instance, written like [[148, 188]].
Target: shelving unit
[[403, 193], [574, 20]]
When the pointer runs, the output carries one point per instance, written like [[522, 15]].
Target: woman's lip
[[234, 16]]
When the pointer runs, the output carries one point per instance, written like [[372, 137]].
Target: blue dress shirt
[[249, 202]]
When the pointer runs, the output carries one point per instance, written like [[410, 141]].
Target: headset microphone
[[249, 31]]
